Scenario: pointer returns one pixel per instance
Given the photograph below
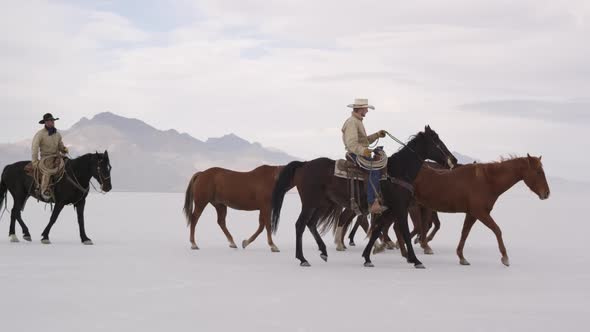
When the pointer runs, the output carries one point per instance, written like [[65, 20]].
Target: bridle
[[437, 145], [101, 178]]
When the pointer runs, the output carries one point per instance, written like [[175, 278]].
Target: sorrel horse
[[474, 190], [323, 196], [223, 188], [71, 189]]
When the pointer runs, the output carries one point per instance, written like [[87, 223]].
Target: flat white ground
[[141, 274]]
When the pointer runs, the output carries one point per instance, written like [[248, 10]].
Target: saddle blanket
[[349, 170]]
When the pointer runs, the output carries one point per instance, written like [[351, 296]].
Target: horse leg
[[318, 239], [343, 222], [489, 221], [427, 215], [400, 240], [304, 216], [380, 247], [389, 243], [261, 224], [377, 227], [416, 217], [199, 207], [80, 213], [12, 229], [56, 211], [467, 224], [436, 223], [23, 226], [353, 231], [403, 221], [221, 214]]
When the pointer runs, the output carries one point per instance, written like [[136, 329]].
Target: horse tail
[[189, 200], [283, 184], [329, 219], [3, 190]]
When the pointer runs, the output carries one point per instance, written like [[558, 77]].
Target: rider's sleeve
[[61, 146], [351, 139], [373, 138], [35, 147]]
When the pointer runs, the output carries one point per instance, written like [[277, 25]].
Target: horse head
[[102, 170], [534, 177], [429, 146]]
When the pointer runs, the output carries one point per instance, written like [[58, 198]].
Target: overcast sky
[[492, 77]]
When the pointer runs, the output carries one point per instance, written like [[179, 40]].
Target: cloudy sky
[[492, 77]]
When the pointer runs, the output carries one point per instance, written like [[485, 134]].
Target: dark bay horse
[[323, 196], [474, 190], [223, 188], [73, 189]]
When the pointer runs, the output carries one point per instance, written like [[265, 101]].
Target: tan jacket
[[355, 137], [47, 145]]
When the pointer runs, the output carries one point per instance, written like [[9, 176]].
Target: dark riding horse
[[71, 189], [323, 195]]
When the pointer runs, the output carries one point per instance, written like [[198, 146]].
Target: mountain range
[[148, 159]]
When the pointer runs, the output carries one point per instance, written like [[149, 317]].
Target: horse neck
[[81, 168], [404, 164], [506, 174]]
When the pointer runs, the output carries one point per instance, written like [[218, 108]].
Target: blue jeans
[[373, 186]]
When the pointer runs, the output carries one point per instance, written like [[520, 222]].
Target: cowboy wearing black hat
[[47, 145]]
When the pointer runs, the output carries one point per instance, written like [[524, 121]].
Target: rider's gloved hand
[[381, 133], [35, 163], [367, 153], [66, 150]]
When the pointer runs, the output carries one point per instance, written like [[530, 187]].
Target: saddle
[[55, 169], [358, 176]]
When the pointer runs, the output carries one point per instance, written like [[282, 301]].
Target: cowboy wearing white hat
[[357, 143], [47, 143]]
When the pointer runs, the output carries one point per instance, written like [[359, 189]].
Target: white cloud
[[278, 72]]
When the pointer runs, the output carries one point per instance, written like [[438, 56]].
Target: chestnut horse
[[474, 189], [223, 188]]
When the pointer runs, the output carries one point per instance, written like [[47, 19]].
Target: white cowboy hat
[[361, 103]]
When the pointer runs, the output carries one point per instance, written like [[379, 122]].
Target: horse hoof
[[274, 248], [88, 242], [351, 243], [233, 245], [305, 264], [428, 251], [13, 238], [245, 244], [420, 266], [340, 248], [416, 240], [324, 257], [45, 241], [194, 247], [27, 238], [505, 261], [369, 264], [463, 261]]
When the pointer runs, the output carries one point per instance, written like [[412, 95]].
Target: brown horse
[[474, 190], [223, 188]]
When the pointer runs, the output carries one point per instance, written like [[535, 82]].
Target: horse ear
[[427, 128], [540, 157]]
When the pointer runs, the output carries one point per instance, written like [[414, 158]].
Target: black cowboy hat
[[47, 117]]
